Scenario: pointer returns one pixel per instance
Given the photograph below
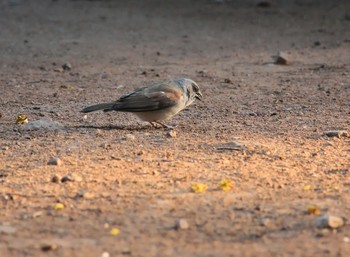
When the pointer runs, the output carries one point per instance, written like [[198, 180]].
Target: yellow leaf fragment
[[198, 187], [114, 231], [225, 185], [22, 119], [307, 187], [313, 209], [59, 206], [336, 188]]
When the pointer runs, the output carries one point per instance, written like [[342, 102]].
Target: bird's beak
[[199, 96]]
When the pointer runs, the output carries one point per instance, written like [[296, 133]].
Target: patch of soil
[[260, 125]]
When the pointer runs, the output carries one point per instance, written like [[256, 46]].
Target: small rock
[[71, 177], [67, 86], [0, 115], [55, 179], [55, 161], [105, 254], [281, 58], [182, 224], [37, 214], [48, 247], [337, 133], [266, 222], [4, 148], [323, 232], [7, 229], [67, 66], [329, 221], [155, 173], [85, 194], [172, 133], [105, 146], [24, 216], [113, 157], [130, 137], [58, 70], [228, 81]]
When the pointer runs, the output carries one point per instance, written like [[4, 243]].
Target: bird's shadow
[[114, 127]]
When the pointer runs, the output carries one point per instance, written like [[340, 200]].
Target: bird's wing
[[151, 98]]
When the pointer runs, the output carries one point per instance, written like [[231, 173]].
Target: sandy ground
[[127, 176]]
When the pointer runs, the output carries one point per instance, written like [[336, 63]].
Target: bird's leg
[[165, 125], [153, 124]]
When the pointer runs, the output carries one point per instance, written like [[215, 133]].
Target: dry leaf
[[114, 231], [225, 185], [22, 119], [198, 187], [313, 210], [307, 187], [59, 206]]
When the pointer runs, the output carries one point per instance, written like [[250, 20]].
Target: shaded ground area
[[129, 176]]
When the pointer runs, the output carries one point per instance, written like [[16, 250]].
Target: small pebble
[[105, 254], [37, 214], [58, 70], [281, 58], [266, 222], [7, 229], [24, 216], [337, 133], [85, 194], [48, 247], [71, 177], [228, 81], [4, 148], [182, 224], [155, 173], [172, 133], [55, 161], [105, 146], [329, 221], [130, 137], [67, 66], [55, 179], [323, 232]]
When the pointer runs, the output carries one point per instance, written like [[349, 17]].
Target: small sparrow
[[155, 103]]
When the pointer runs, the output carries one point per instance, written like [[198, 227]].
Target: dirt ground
[[130, 184]]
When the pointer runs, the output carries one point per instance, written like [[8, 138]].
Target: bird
[[155, 103]]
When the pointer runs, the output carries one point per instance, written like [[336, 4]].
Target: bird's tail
[[104, 106]]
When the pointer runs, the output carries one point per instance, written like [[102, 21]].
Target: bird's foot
[[163, 125]]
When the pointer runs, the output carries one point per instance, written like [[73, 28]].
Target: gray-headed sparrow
[[155, 103]]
